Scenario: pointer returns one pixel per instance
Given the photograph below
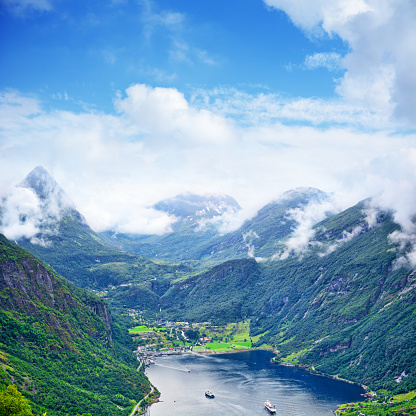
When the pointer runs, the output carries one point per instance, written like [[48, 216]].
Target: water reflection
[[242, 382]]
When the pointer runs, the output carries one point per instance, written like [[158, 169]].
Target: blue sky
[[86, 51], [127, 102]]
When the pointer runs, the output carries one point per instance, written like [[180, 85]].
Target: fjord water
[[242, 382]]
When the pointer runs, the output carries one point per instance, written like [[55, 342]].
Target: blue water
[[242, 382]]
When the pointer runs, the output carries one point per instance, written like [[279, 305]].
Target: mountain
[[198, 220], [265, 234], [192, 208], [33, 209], [224, 293], [46, 188], [196, 235], [60, 345], [345, 307], [63, 239], [339, 299]]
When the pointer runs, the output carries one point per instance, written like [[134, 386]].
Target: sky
[[128, 102]]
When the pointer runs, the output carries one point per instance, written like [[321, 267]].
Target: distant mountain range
[[330, 291], [198, 222], [197, 233], [192, 208]]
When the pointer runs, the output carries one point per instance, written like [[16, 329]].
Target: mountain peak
[[33, 209], [308, 192], [42, 183], [207, 206]]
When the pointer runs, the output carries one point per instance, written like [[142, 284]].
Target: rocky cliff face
[[102, 310], [26, 280], [28, 287]]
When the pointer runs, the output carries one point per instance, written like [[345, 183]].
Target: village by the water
[[162, 338], [165, 338]]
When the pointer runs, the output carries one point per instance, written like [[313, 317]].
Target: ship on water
[[269, 407], [209, 394]]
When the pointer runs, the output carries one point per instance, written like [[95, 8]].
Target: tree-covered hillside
[[344, 308], [341, 303], [60, 345]]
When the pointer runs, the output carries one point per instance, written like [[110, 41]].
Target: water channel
[[242, 382]]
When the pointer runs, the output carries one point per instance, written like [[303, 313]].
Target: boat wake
[[185, 370]]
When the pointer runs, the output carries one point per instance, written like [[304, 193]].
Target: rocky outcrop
[[27, 287]]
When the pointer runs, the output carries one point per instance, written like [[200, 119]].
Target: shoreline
[[309, 370], [272, 360], [303, 367], [232, 351]]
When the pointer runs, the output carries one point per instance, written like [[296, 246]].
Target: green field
[[404, 397], [139, 329], [234, 333], [234, 336], [226, 346], [231, 337]]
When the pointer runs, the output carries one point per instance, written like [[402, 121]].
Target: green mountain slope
[[344, 308], [265, 233], [66, 242], [221, 294], [60, 345], [349, 313]]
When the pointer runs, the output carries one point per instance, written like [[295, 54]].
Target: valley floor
[[172, 338]]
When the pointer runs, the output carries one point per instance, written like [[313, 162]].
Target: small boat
[[209, 394], [269, 407]]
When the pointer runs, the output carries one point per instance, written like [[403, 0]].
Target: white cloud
[[24, 215], [159, 144], [249, 238], [407, 247], [346, 237], [205, 57], [153, 20], [305, 217], [328, 60], [15, 108], [264, 108], [21, 214], [164, 112], [380, 68], [394, 174], [226, 222], [172, 24]]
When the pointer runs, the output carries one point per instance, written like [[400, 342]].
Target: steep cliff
[[59, 343]]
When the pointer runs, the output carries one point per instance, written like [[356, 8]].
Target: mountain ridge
[[198, 220], [339, 314], [59, 343], [335, 304]]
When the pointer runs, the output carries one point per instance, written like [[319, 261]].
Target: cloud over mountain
[[115, 166], [33, 209]]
